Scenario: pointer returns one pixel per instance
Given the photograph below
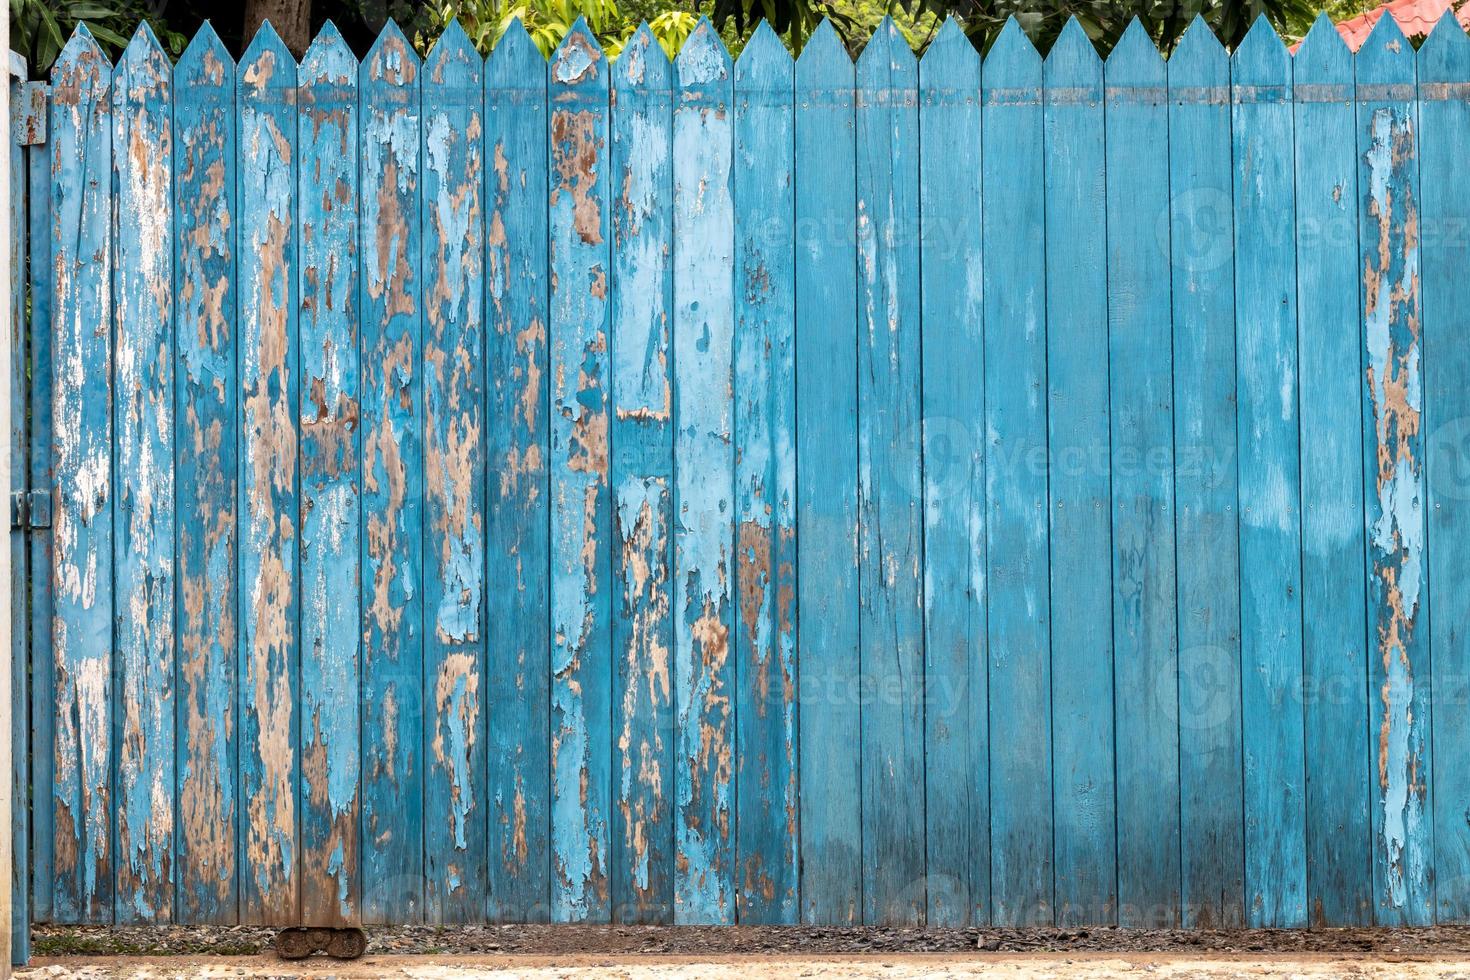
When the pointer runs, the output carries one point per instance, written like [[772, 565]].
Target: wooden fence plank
[[1339, 869], [143, 479], [455, 812], [394, 709], [956, 730], [22, 789], [1018, 617], [1140, 381], [517, 544], [1269, 483], [1444, 128], [826, 478], [268, 584], [1212, 845], [82, 533], [206, 378], [1393, 454], [642, 480], [891, 611], [581, 507], [331, 515], [704, 313], [765, 486], [1077, 416]]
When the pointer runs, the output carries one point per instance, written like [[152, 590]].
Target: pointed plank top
[[578, 61], [144, 48], [1262, 58], [950, 55], [643, 63], [206, 61], [824, 61], [1012, 60], [328, 60], [1199, 53], [765, 64], [1324, 56], [703, 60], [1445, 55], [81, 62], [391, 59], [1386, 56], [517, 64], [267, 63], [143, 69], [1135, 60], [887, 52], [453, 57], [1073, 60]]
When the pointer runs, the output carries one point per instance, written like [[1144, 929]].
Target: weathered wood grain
[[765, 486], [1212, 854], [206, 385], [331, 515], [394, 692], [268, 508], [581, 504], [1270, 483], [1016, 527], [890, 532], [1142, 450], [642, 472], [830, 776], [1339, 866], [1084, 800], [143, 479], [1444, 128], [455, 802], [80, 163], [1393, 456], [517, 408], [956, 728], [704, 617]]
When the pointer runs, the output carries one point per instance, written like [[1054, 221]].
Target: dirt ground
[[757, 953]]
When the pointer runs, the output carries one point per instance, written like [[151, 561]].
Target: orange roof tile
[[1416, 18]]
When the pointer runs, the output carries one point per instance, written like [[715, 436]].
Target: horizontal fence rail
[[937, 491]]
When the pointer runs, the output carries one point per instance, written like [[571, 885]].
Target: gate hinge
[[30, 113], [30, 510]]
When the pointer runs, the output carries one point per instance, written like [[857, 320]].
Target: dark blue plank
[[22, 790], [642, 482], [956, 733], [1444, 128], [394, 695], [269, 505], [765, 486], [331, 516], [1212, 845], [704, 313], [1270, 484], [517, 543], [826, 481], [581, 505], [1141, 393], [206, 380], [80, 138], [1393, 464], [1339, 869], [455, 802], [890, 534], [1077, 416]]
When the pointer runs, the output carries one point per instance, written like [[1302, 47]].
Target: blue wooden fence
[[950, 490]]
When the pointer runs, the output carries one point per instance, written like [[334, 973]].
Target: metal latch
[[30, 510]]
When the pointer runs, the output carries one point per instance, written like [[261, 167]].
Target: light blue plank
[[581, 506], [143, 479], [1140, 385], [642, 480], [956, 731], [1270, 484], [1444, 128], [206, 385], [890, 543], [826, 481], [394, 709], [1077, 416], [80, 138], [1212, 845], [1393, 461], [1339, 870], [517, 544], [765, 485], [268, 584], [331, 514], [455, 829], [704, 313], [1016, 526]]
